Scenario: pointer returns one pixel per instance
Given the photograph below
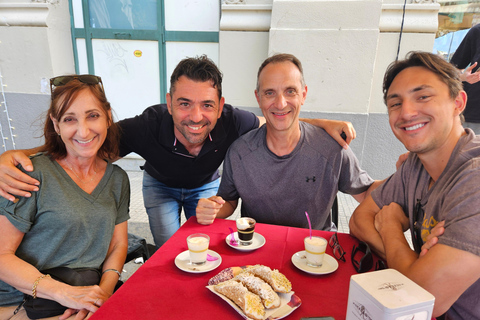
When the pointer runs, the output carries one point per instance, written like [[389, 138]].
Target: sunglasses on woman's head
[[83, 78]]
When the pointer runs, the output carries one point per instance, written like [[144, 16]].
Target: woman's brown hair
[[62, 97]]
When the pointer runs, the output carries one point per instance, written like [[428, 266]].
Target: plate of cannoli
[[255, 292]]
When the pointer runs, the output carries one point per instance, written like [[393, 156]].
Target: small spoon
[[233, 242]]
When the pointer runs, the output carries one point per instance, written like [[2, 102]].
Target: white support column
[[419, 27], [19, 13], [46, 48], [244, 29], [336, 43], [35, 44], [381, 148]]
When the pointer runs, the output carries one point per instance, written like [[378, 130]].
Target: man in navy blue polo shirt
[[196, 141], [183, 142]]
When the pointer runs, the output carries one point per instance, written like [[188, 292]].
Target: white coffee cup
[[315, 250], [198, 247]]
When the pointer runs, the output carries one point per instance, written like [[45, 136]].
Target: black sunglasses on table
[[362, 258], [84, 78], [417, 225]]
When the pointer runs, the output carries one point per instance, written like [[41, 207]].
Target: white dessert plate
[[182, 261], [257, 242], [288, 303], [330, 264]]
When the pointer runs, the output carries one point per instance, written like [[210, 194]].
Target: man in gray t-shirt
[[285, 168], [434, 193]]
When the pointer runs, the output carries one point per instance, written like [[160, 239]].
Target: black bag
[[43, 308]]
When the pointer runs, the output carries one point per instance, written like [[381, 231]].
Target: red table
[[159, 290]]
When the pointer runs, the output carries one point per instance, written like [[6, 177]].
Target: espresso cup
[[315, 250], [246, 230], [198, 247]]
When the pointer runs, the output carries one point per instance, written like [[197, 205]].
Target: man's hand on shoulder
[[207, 209], [342, 131], [401, 159], [12, 180]]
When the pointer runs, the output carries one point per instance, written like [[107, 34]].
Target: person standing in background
[[467, 58]]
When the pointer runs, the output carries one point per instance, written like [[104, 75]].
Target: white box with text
[[387, 295]]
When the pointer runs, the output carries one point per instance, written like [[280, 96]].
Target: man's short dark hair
[[199, 69], [446, 72], [281, 57]]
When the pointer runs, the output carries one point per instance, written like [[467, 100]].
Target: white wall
[[35, 44], [244, 39], [345, 47]]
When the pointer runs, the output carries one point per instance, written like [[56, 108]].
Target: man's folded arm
[[362, 225], [444, 271]]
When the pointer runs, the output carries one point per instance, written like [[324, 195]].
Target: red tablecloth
[[159, 290]]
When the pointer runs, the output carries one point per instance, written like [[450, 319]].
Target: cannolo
[[277, 280], [249, 302], [270, 298], [225, 274]]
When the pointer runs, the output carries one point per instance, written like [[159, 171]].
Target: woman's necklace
[[71, 169]]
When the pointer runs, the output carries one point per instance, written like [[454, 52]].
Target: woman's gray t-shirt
[[64, 225]]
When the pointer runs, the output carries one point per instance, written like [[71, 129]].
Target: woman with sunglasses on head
[[78, 218]]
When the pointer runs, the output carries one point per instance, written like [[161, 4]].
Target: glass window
[[192, 15], [130, 73], [123, 14], [77, 13], [82, 56], [127, 44]]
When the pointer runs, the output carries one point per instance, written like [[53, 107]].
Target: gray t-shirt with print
[[279, 190], [454, 197], [64, 225]]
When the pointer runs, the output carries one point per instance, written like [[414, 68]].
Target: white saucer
[[330, 264], [182, 261], [257, 242]]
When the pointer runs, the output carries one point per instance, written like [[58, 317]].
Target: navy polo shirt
[[151, 135]]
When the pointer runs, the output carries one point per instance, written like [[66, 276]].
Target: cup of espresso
[[315, 250], [245, 229], [198, 247]]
